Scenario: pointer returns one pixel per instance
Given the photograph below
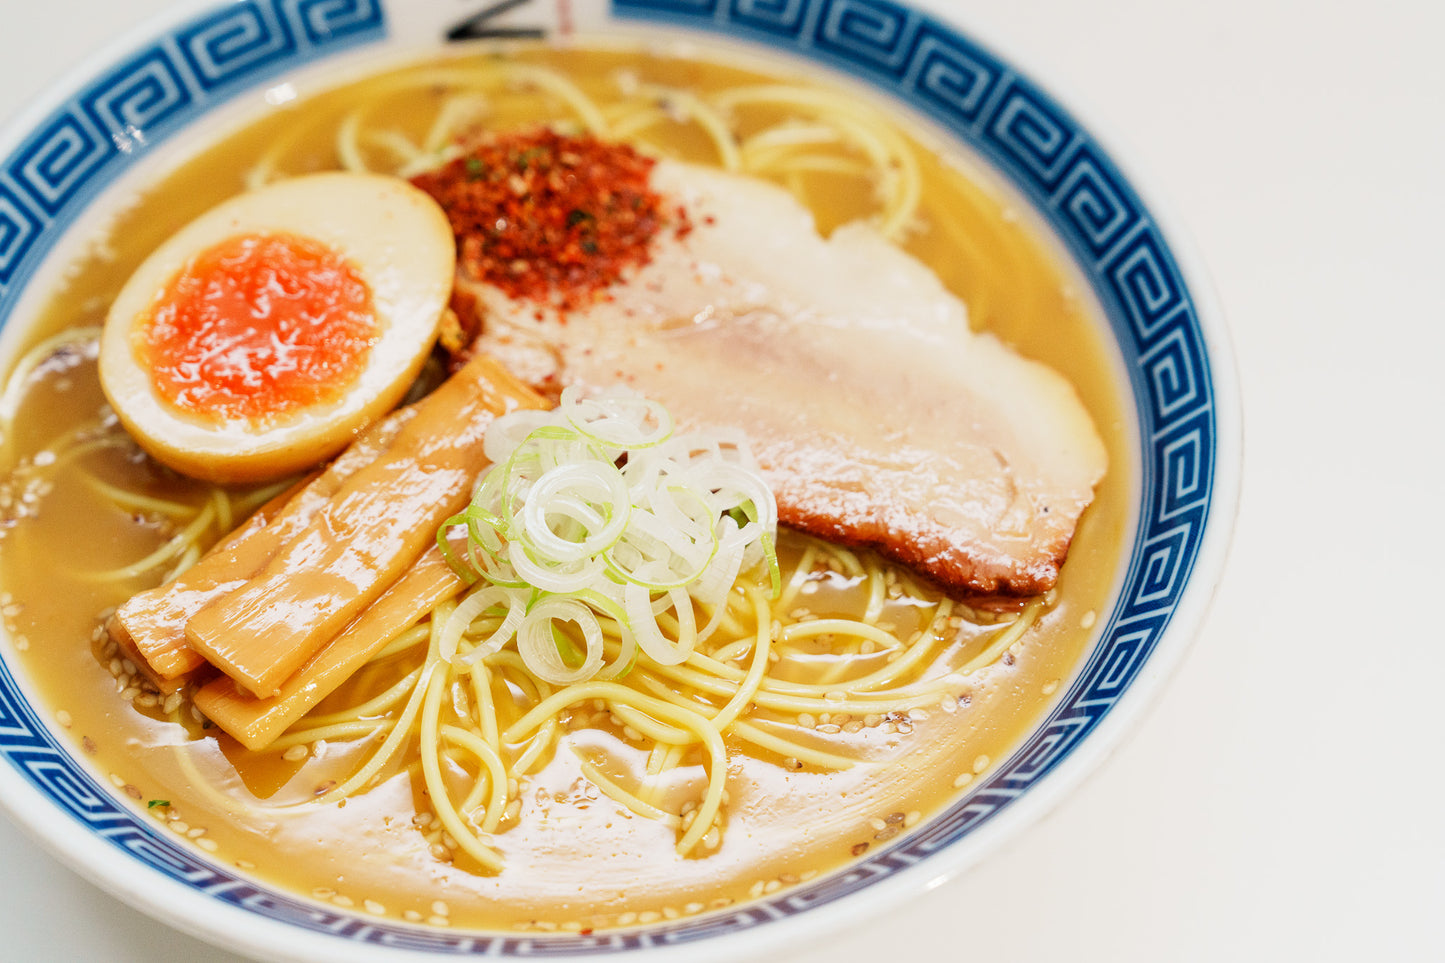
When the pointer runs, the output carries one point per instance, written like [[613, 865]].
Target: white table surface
[[1281, 800]]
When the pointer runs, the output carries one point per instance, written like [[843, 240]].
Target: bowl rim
[[200, 914]]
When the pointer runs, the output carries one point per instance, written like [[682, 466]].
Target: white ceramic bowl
[[183, 74]]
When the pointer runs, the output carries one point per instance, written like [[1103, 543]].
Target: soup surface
[[89, 521]]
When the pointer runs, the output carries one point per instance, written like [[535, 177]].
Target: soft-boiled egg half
[[261, 337]]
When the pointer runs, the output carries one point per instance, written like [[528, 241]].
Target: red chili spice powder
[[551, 218]]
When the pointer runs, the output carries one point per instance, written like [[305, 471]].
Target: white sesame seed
[[980, 764], [964, 778], [64, 719], [440, 908], [1090, 617], [374, 908], [1051, 686], [295, 753]]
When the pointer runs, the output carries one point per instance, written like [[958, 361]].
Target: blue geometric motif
[[328, 21], [952, 76], [879, 34], [234, 42], [19, 230], [1034, 144], [140, 95], [780, 16], [57, 160]]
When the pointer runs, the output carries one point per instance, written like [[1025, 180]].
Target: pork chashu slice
[[879, 418]]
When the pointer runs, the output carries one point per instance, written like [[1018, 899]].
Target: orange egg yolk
[[259, 326]]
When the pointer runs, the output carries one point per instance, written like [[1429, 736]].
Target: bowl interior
[[1170, 359]]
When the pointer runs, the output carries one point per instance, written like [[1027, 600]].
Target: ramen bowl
[[207, 68]]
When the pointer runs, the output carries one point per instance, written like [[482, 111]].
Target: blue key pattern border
[[1045, 154]]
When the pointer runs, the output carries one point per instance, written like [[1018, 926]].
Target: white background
[[1282, 799]]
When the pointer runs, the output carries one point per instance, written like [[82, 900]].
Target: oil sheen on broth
[[575, 859]]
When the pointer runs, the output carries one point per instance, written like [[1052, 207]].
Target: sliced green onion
[[600, 511]]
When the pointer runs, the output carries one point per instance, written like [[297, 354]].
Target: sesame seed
[[829, 728], [321, 892], [295, 753], [626, 919], [1090, 617], [374, 908], [64, 719], [980, 764], [438, 921], [773, 886], [911, 819], [1051, 686], [756, 890], [649, 916], [208, 844], [116, 781], [713, 838], [440, 908], [693, 907], [345, 902], [411, 916], [180, 826], [877, 824], [670, 912], [964, 778]]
